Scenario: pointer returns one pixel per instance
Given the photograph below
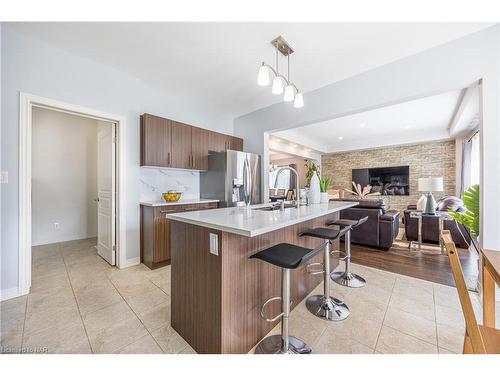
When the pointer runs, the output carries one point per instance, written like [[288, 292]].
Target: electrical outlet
[[4, 177], [56, 225], [214, 244]]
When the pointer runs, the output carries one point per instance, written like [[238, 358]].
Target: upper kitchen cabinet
[[200, 139], [172, 144], [181, 144], [155, 141], [235, 143], [221, 142], [217, 142]]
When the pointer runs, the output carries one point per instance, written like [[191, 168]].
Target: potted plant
[[312, 179], [325, 183], [469, 218], [312, 168]]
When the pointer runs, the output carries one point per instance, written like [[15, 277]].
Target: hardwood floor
[[421, 265]]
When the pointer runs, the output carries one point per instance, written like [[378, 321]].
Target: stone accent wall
[[432, 159]]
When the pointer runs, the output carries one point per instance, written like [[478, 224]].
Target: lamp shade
[[263, 77], [430, 184], [289, 93], [277, 85], [299, 100]]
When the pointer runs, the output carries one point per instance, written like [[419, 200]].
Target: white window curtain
[[471, 165], [475, 161]]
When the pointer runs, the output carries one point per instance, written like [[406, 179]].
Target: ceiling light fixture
[[280, 83], [341, 138], [362, 125]]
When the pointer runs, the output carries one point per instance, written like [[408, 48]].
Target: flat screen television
[[386, 180]]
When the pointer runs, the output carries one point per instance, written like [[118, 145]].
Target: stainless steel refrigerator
[[233, 177]]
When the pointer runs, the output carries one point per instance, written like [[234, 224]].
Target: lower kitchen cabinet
[[155, 231]]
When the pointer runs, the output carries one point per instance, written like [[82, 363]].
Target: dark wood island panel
[[216, 300]]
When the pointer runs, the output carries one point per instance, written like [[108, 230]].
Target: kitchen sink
[[274, 207]]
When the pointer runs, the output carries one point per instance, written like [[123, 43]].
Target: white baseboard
[[9, 293], [131, 262]]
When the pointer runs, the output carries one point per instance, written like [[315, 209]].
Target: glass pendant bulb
[[277, 85], [299, 100], [263, 77], [289, 93]]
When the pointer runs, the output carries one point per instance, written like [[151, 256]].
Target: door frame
[[26, 104]]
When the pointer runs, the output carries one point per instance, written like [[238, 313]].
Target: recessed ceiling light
[[341, 138], [407, 126], [362, 125]]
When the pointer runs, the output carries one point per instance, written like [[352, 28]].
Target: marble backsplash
[[155, 181]]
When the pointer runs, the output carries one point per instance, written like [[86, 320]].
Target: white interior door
[[106, 191]]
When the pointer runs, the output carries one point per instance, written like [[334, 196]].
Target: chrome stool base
[[327, 309], [348, 279], [273, 345]]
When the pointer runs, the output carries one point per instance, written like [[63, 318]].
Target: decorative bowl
[[172, 196]]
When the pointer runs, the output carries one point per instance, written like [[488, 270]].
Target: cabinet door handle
[[166, 211], [168, 160]]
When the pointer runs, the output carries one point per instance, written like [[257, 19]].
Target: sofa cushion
[[375, 203], [450, 203]]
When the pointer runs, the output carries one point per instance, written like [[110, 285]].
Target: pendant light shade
[[289, 93], [277, 85], [299, 100], [263, 77]]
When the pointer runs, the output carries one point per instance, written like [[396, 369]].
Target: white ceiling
[[420, 120], [216, 63]]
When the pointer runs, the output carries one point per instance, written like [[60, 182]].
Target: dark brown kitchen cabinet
[[156, 234], [217, 142], [235, 143], [172, 144], [181, 144], [199, 148], [155, 141]]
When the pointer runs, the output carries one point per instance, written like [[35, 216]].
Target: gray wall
[[450, 66], [37, 68]]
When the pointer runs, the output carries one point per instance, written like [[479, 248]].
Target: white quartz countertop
[[252, 222], [186, 201]]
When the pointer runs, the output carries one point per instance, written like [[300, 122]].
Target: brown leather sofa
[[430, 225], [381, 228]]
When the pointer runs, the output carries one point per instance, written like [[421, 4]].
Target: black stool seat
[[351, 223], [285, 255], [324, 233]]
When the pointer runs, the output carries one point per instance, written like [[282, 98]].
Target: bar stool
[[325, 306], [346, 277], [287, 257]]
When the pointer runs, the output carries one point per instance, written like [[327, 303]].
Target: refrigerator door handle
[[247, 182]]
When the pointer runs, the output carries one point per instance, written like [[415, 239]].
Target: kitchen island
[[217, 292]]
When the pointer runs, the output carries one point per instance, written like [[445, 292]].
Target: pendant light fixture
[[281, 85]]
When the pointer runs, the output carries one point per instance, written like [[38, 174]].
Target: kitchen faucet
[[297, 186]]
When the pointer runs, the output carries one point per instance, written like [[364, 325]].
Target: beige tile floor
[[79, 304]]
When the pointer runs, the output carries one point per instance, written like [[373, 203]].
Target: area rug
[[402, 243]]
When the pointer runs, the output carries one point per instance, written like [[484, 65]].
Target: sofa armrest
[[389, 228], [390, 215]]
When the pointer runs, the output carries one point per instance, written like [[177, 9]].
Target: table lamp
[[430, 184]]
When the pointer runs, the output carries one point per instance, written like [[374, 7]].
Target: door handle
[[168, 158], [96, 199]]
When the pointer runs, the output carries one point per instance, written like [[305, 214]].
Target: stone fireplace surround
[[432, 159]]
